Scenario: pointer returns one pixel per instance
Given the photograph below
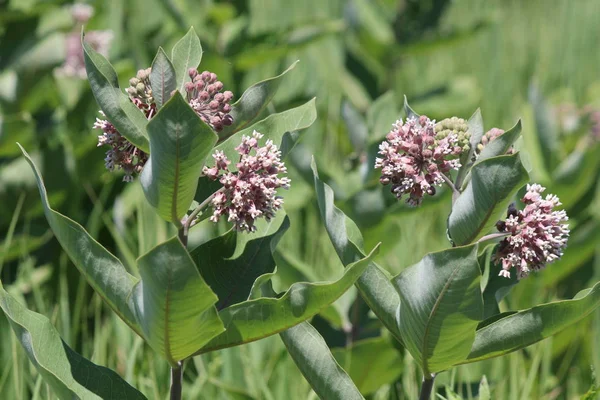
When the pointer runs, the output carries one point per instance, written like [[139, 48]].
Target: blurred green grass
[[448, 58]]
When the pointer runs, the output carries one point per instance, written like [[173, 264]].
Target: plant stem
[[455, 191], [176, 378], [493, 236], [185, 228], [426, 387]]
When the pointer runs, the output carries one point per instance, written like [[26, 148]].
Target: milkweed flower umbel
[[413, 160], [203, 94], [538, 233], [251, 191]]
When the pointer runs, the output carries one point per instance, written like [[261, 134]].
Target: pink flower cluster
[[122, 153], [250, 192], [538, 234], [205, 97], [413, 160]]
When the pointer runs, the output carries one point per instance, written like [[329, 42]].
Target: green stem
[[176, 379], [455, 191], [426, 387], [185, 228]]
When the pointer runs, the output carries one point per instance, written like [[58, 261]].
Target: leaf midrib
[[431, 315]]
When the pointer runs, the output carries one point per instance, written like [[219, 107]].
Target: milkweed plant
[[202, 154]]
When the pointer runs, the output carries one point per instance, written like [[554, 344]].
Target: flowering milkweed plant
[[200, 157], [444, 310]]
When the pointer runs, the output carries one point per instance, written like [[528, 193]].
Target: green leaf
[[374, 285], [180, 142], [255, 319], [174, 305], [120, 111], [493, 184], [103, 271], [355, 125], [231, 263], [186, 54], [501, 144], [475, 124], [253, 102], [440, 307], [381, 115], [484, 389], [523, 328], [314, 359], [409, 111], [162, 78], [494, 287], [371, 363], [68, 374], [546, 131]]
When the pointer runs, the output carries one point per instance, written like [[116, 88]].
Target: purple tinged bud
[[193, 72]]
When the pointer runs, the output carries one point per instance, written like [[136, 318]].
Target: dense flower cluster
[[490, 136], [454, 126], [538, 234], [122, 153], [250, 192], [74, 64], [413, 160], [204, 96]]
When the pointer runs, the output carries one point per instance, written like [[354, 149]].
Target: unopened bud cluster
[[538, 233], [251, 191], [204, 96], [413, 160], [490, 136], [454, 126]]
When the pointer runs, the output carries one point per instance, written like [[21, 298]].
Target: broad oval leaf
[[314, 359], [120, 111], [231, 263], [173, 304], [253, 102], [374, 284], [102, 270], [440, 307], [255, 319], [179, 144], [493, 184], [162, 78], [68, 374], [186, 54], [521, 329]]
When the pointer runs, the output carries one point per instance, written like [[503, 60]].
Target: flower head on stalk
[[204, 96], [251, 191], [413, 160], [538, 233]]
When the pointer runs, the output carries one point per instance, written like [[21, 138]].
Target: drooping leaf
[[180, 142], [253, 102], [162, 78], [374, 285], [120, 111], [255, 319], [371, 363], [102, 270], [186, 54], [493, 184], [68, 374], [546, 133], [314, 359], [173, 304], [231, 263], [440, 307], [569, 183], [523, 328]]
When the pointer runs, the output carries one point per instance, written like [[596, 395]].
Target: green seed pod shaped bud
[[456, 127], [140, 87], [133, 82]]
